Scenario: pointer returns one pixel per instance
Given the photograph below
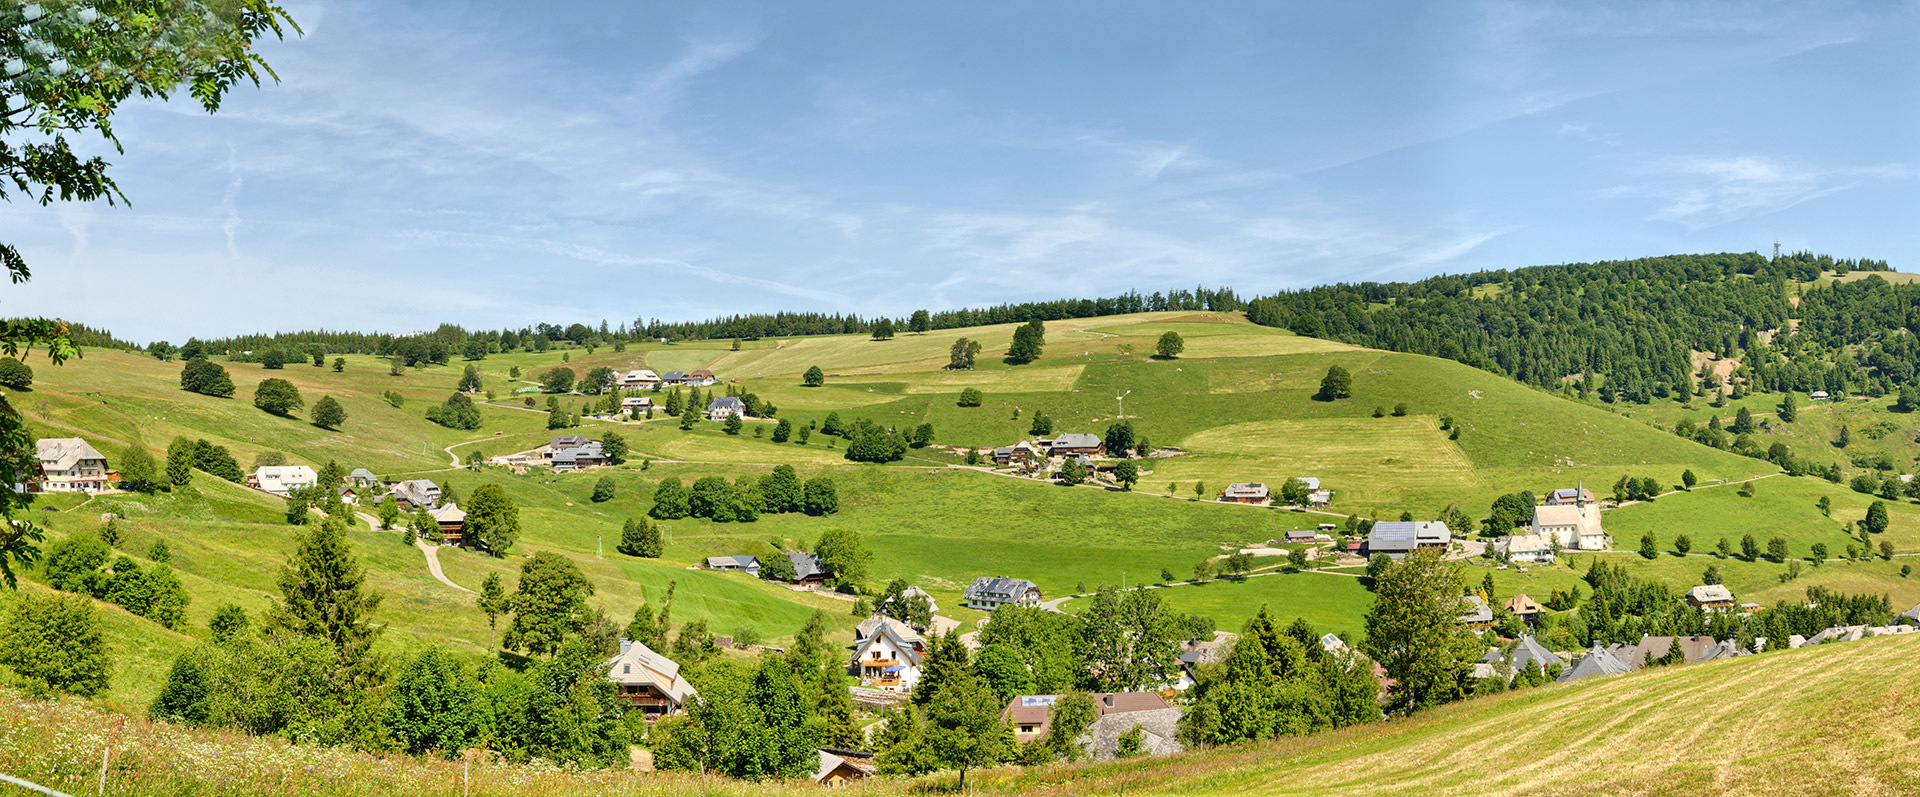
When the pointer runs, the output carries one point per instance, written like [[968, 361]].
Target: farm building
[[1320, 499], [452, 521], [282, 480], [807, 568], [1526, 549], [674, 378], [641, 379], [362, 477], [1117, 713], [1597, 662], [1398, 538], [1711, 596], [701, 377], [840, 767], [578, 457], [648, 681], [1525, 608], [636, 403], [744, 563], [416, 493], [990, 592], [1475, 612], [726, 407], [71, 465], [1018, 453], [1078, 443], [1245, 493]]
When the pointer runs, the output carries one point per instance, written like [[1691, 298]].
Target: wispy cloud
[[1700, 191]]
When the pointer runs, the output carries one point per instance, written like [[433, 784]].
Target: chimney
[[625, 645], [1107, 699]]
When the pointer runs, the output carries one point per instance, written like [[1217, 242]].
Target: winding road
[[427, 549]]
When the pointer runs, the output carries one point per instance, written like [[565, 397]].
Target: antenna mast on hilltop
[[1776, 250]]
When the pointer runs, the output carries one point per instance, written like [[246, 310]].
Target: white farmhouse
[[282, 480], [888, 655]]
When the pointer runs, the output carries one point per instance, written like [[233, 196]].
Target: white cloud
[[1700, 191]]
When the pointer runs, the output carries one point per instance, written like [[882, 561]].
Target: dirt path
[[433, 563], [1696, 489]]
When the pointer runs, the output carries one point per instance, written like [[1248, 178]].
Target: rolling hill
[[1238, 404]]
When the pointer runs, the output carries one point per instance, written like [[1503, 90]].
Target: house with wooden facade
[[69, 465], [649, 681], [888, 655]]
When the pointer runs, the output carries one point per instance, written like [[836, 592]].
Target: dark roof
[[998, 588], [568, 441], [1596, 662], [725, 403], [805, 565]]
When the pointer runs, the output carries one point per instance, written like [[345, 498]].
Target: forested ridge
[[1627, 330]]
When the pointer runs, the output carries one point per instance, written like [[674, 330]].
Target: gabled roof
[[1312, 482], [1522, 604], [806, 565], [831, 761], [1245, 490], [1392, 536], [1582, 518], [449, 513], [362, 474], [741, 560], [1711, 593], [62, 453], [1529, 650], [277, 477], [998, 588], [725, 403], [1420, 532], [417, 491], [1475, 610], [1597, 662], [1075, 440], [904, 639], [640, 665], [568, 441], [1913, 613]]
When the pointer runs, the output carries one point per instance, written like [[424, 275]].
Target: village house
[[807, 568], [1597, 662], [726, 407], [1713, 597], [1525, 608], [70, 465], [1118, 713], [1078, 443], [1397, 538], [672, 378], [648, 681], [562, 443], [1201, 651], [578, 457], [987, 593], [348, 495], [1302, 535], [641, 379], [1526, 549], [1474, 612], [1523, 653], [701, 378], [636, 404], [1570, 496], [840, 767], [1320, 499], [282, 480], [1312, 482], [415, 493], [887, 655], [1817, 395], [452, 522], [1019, 453], [743, 563], [1655, 648], [1577, 526], [361, 477], [1245, 493]]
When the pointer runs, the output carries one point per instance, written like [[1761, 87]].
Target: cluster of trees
[[457, 412], [1278, 682], [1028, 341], [79, 564], [207, 378], [744, 500], [754, 327]]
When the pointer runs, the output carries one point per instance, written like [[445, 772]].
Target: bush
[[603, 490], [15, 374], [970, 397], [57, 641]]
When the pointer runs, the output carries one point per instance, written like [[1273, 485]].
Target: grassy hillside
[[1829, 720], [1238, 402]]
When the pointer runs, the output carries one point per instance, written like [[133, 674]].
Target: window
[[626, 669]]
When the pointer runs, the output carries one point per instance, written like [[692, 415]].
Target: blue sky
[[504, 163]]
